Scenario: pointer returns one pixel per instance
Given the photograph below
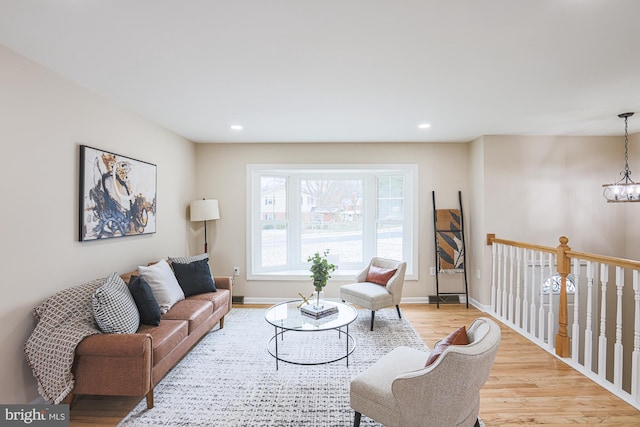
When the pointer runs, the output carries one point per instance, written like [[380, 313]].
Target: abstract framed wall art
[[117, 195]]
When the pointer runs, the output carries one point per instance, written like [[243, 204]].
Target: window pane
[[274, 245], [331, 218], [273, 198], [389, 238], [273, 213], [390, 197]]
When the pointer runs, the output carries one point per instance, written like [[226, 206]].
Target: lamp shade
[[204, 210]]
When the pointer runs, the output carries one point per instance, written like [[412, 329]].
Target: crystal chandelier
[[625, 190]]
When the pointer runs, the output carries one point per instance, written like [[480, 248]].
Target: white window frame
[[300, 271]]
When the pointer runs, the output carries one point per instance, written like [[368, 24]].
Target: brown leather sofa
[[132, 364]]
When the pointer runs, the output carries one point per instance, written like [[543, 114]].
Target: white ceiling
[[346, 70]]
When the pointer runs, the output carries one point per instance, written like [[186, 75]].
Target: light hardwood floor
[[527, 385]]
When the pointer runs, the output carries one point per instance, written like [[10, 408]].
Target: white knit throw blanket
[[64, 320]]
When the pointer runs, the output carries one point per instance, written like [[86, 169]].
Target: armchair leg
[[356, 419], [373, 316], [398, 308]]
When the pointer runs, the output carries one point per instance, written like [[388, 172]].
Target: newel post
[[564, 268]]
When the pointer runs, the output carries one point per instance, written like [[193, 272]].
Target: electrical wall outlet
[[236, 271], [432, 271]]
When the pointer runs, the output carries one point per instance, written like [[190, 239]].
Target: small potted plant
[[321, 271]]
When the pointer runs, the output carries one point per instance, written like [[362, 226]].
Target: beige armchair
[[377, 286], [399, 391]]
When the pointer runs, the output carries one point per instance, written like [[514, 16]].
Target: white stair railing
[[527, 294]]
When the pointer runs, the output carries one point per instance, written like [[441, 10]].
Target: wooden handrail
[[620, 262], [491, 239]]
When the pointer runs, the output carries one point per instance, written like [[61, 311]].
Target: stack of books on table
[[317, 313]]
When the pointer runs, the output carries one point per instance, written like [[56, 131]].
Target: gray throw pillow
[[114, 309]]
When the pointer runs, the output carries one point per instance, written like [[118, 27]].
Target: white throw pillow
[[114, 309], [163, 284]]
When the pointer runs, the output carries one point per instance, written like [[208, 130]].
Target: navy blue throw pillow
[[145, 301], [194, 278]]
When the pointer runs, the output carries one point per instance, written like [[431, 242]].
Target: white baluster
[[551, 320], [533, 294], [511, 267], [602, 340], [575, 329], [518, 278], [617, 347], [525, 302], [498, 291], [635, 355], [541, 328], [505, 254], [494, 261], [588, 330]]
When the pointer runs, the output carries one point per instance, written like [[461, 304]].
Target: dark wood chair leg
[[222, 322], [356, 419], [398, 308], [373, 316]]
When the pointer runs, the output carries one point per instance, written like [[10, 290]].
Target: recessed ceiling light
[[235, 127], [424, 126]]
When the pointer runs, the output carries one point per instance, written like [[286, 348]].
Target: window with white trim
[[354, 211]]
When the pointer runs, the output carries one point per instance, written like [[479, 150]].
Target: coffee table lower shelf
[[272, 347]]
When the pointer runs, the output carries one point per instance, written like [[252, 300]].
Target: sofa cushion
[[380, 275], [193, 311], [194, 277], [114, 309], [163, 284], [165, 337], [145, 301], [457, 337], [218, 299]]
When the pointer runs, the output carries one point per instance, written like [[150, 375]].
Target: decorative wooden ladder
[[450, 250]]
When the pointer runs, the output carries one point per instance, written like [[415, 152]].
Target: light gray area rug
[[230, 379]]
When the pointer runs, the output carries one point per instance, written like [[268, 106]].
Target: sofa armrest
[[114, 365], [224, 282]]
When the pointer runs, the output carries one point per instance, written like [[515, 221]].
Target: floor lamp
[[204, 210]]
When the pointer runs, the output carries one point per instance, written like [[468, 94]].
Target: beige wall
[[631, 214], [475, 225], [222, 175], [537, 188], [44, 120]]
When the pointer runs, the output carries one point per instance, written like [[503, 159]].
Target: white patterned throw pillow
[[163, 284], [114, 309]]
